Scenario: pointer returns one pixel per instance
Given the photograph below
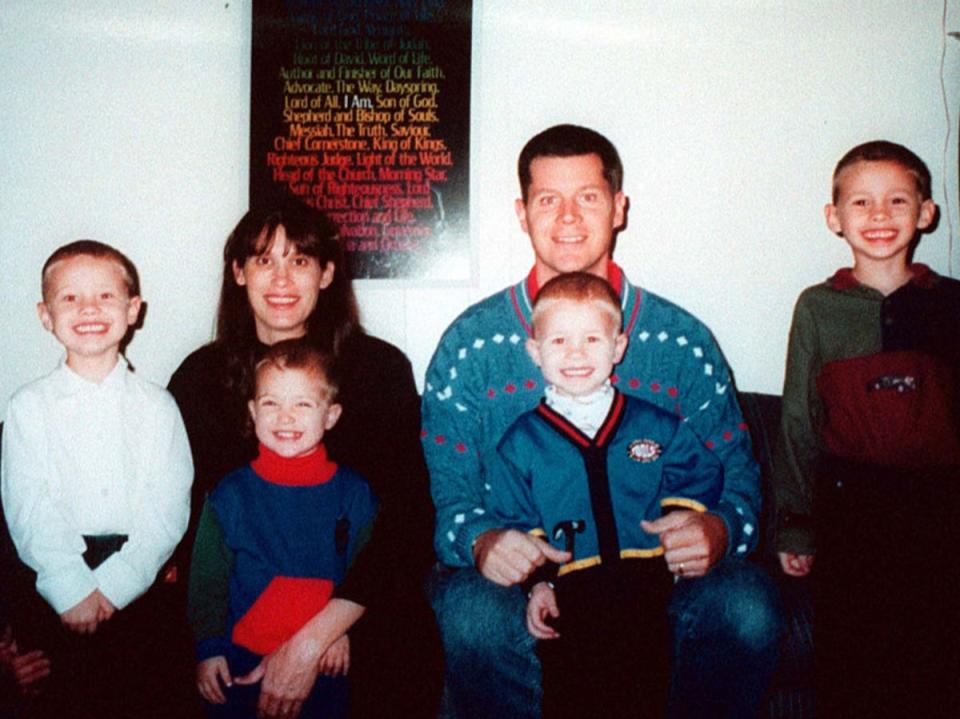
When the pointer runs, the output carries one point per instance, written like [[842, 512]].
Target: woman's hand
[[287, 675]]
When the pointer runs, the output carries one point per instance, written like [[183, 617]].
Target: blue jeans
[[726, 630]]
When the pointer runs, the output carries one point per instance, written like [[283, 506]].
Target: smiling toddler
[[276, 537]]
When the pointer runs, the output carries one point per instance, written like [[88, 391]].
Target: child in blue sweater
[[275, 537], [586, 470]]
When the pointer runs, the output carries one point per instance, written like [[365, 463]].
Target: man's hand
[[508, 556], [796, 565], [692, 541], [542, 604], [288, 675]]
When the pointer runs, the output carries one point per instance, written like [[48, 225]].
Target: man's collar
[[523, 293], [614, 277]]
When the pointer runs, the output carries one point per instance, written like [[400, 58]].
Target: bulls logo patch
[[644, 450]]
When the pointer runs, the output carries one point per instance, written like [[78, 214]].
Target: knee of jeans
[[478, 617], [754, 615]]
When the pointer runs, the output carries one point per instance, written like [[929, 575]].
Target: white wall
[[127, 122]]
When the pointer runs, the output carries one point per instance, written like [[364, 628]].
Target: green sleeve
[[798, 446], [209, 591]]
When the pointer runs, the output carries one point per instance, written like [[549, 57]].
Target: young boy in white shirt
[[96, 475]]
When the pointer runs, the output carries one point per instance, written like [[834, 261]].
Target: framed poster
[[361, 108]]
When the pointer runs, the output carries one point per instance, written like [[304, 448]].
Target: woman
[[284, 277]]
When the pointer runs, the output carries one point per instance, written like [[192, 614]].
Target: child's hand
[[29, 670], [8, 647], [796, 565], [84, 616], [542, 604], [335, 661], [210, 672], [107, 609]]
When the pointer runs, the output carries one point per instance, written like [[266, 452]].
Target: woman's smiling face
[[282, 285]]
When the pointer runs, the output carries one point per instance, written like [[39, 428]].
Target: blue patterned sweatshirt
[[481, 380]]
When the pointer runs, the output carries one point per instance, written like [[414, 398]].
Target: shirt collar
[[614, 277], [305, 471], [923, 277], [72, 383]]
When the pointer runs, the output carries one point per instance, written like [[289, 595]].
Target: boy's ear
[[252, 408], [133, 310], [44, 314], [833, 220], [333, 414], [238, 274], [928, 211], [533, 349], [620, 347]]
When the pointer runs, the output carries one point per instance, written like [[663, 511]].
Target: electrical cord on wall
[[946, 140]]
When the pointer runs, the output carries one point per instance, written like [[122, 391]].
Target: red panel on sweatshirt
[[284, 607], [891, 408]]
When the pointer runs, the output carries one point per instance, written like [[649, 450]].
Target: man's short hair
[[298, 354], [570, 141], [100, 250], [884, 151], [578, 287]]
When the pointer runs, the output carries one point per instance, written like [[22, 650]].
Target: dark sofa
[[791, 694]]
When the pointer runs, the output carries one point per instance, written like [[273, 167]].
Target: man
[[725, 612]]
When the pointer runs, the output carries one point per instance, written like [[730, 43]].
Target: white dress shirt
[[85, 458]]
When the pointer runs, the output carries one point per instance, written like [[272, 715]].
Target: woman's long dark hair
[[333, 320]]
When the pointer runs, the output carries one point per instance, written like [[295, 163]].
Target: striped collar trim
[[566, 428]]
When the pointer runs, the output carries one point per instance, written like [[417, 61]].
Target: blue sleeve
[[362, 509], [452, 438], [673, 341], [511, 499], [692, 475], [717, 421]]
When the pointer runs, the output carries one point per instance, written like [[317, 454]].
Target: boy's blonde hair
[[297, 354], [884, 151], [578, 287], [99, 250]]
